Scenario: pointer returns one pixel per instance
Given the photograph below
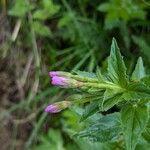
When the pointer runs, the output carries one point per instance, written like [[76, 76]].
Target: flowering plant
[[102, 92]]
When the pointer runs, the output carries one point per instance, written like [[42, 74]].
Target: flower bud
[[57, 107], [60, 81], [64, 81], [53, 73], [59, 73]]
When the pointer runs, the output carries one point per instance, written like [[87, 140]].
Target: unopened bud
[[64, 81], [57, 107]]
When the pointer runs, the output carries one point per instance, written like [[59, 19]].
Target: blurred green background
[[37, 36]]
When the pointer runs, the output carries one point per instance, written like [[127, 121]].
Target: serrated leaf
[[134, 119], [104, 129], [116, 66], [146, 80], [90, 109], [146, 133], [99, 75], [111, 100], [137, 90], [139, 71]]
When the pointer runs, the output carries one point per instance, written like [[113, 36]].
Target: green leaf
[[95, 91], [104, 7], [137, 90], [116, 66], [146, 80], [41, 29], [105, 129], [111, 98], [139, 71], [146, 133], [134, 119], [121, 10], [99, 75], [19, 9], [143, 146], [90, 109], [64, 20], [48, 9], [40, 14], [53, 140]]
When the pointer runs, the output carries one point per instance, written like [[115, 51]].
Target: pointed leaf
[[99, 75], [137, 90], [134, 119], [146, 133], [90, 109], [146, 80], [139, 71], [104, 129], [109, 102], [116, 66]]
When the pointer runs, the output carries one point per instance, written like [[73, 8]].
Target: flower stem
[[103, 86]]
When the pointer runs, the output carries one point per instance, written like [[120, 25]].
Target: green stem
[[92, 82], [79, 78], [103, 86]]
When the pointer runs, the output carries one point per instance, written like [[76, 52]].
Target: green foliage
[[76, 35], [117, 10], [143, 45], [99, 75], [133, 92], [110, 99], [116, 66], [134, 119], [41, 29], [104, 129], [19, 9], [53, 140], [146, 133], [90, 109], [48, 9], [137, 91], [139, 71]]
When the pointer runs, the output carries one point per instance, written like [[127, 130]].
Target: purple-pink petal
[[59, 81], [52, 108], [53, 73]]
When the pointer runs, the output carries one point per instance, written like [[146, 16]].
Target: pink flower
[[53, 108], [57, 107], [53, 73], [62, 79]]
